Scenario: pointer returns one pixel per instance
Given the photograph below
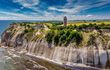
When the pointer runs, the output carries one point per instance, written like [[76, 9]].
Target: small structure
[[38, 26], [13, 25], [65, 21]]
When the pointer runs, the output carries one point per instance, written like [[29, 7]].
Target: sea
[[4, 24], [6, 61]]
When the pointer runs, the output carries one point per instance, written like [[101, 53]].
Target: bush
[[62, 39], [78, 37], [56, 40], [28, 30], [91, 40], [49, 36], [65, 37]]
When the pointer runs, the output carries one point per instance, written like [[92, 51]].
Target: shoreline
[[75, 65], [71, 67]]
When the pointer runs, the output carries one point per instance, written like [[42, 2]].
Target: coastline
[[74, 66], [0, 42], [53, 62]]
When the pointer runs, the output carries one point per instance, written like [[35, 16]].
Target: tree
[[78, 37], [62, 39], [91, 40], [56, 40], [49, 36]]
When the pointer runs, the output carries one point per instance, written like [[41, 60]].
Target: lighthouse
[[65, 21]]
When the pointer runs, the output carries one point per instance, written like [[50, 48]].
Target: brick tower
[[65, 21]]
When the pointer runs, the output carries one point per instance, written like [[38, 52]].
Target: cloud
[[70, 3], [71, 7], [88, 4], [47, 16], [52, 17], [35, 10], [13, 16], [89, 16], [96, 4], [27, 3], [68, 11]]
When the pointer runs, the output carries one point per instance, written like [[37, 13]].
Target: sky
[[54, 9]]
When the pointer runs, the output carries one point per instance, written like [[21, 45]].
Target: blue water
[[5, 23]]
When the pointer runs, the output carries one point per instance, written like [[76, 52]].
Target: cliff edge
[[84, 44]]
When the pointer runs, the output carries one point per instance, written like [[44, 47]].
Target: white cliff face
[[64, 55], [0, 41], [68, 55]]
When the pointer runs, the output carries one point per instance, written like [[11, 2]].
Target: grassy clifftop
[[54, 33]]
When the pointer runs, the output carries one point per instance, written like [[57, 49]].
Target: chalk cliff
[[93, 49]]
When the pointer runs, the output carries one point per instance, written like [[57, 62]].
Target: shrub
[[78, 38], [91, 40], [49, 36], [64, 37], [56, 40]]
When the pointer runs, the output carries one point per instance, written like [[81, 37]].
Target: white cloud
[[89, 15], [101, 3], [13, 16], [69, 3], [47, 16], [31, 4], [69, 11], [86, 4], [27, 3]]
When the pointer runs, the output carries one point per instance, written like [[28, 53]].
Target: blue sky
[[54, 9]]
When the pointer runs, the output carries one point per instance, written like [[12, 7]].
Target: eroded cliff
[[82, 45]]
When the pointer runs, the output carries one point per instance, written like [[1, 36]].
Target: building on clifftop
[[65, 21]]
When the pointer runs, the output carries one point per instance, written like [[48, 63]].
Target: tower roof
[[65, 17]]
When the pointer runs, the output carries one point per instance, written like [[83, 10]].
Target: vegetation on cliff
[[59, 35], [64, 37], [91, 35]]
